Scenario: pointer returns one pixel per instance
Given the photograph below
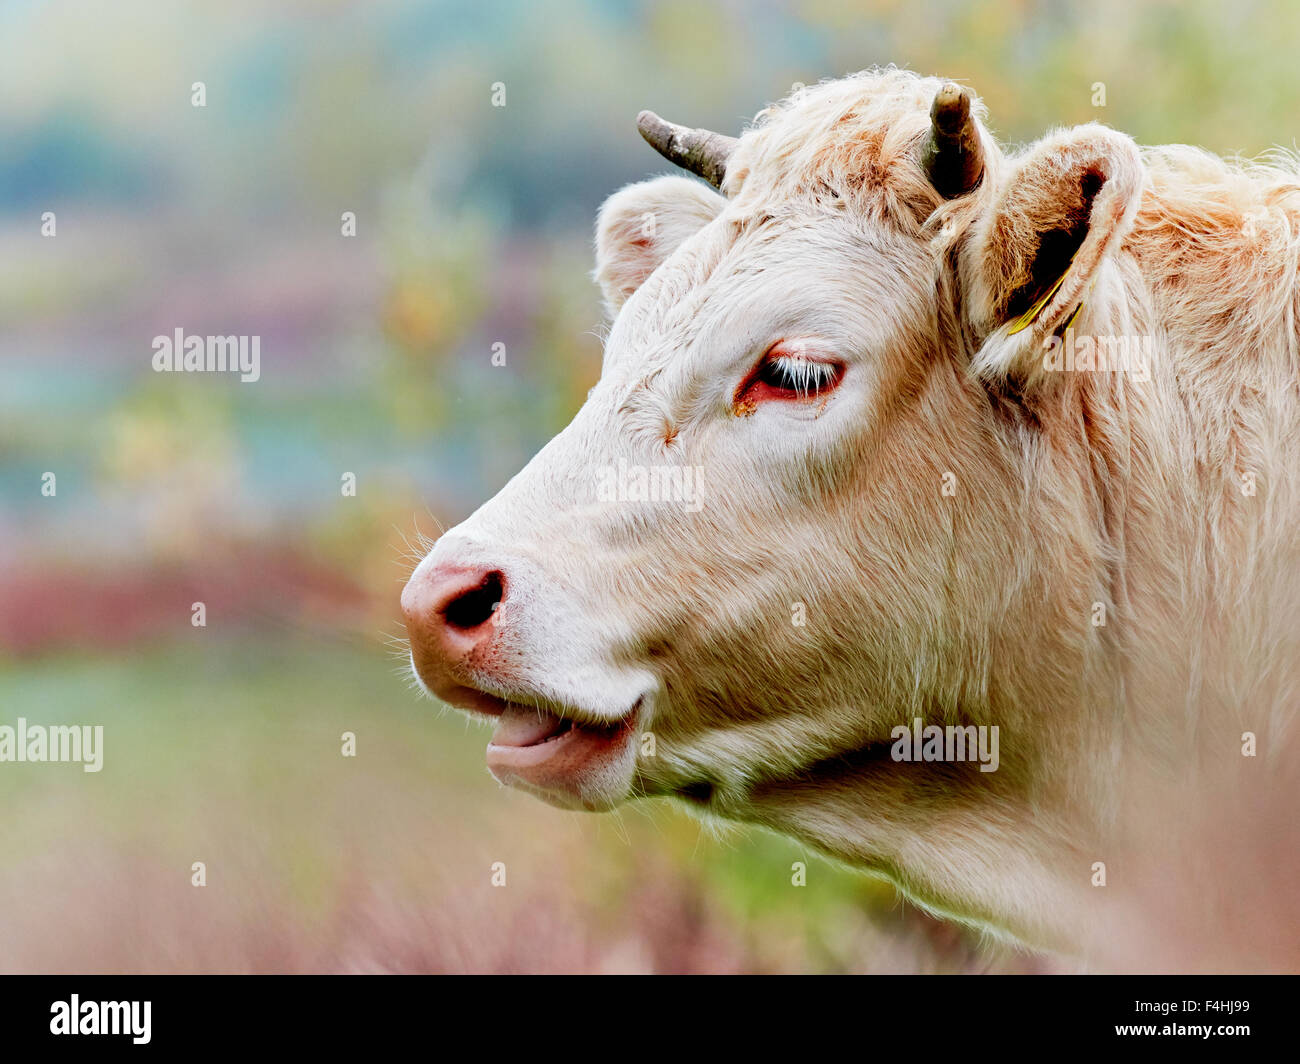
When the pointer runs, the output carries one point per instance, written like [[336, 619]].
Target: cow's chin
[[566, 761]]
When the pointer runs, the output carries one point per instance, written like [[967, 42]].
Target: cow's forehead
[[838, 156], [744, 278], [713, 275], [850, 142]]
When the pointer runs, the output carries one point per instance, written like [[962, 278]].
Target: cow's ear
[[1043, 249], [641, 225]]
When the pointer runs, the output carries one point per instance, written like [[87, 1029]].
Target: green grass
[[229, 753]]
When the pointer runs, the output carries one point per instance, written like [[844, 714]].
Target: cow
[[980, 443]]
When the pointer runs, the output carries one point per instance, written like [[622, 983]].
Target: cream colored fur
[[1120, 743]]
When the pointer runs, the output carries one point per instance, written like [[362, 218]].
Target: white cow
[[896, 431]]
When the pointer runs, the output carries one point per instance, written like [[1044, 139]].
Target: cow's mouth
[[568, 762]]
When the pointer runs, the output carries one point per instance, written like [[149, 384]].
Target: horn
[[697, 150], [953, 157]]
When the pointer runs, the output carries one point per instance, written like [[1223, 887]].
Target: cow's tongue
[[526, 726], [560, 760]]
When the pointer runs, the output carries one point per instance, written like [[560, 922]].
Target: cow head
[[810, 499]]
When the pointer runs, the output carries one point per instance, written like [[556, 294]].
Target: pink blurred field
[[383, 863]]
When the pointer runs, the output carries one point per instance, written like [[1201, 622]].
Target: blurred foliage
[[473, 221], [228, 752]]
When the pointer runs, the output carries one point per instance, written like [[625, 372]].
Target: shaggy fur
[[1104, 568]]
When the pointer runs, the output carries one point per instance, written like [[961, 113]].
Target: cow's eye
[[791, 374]]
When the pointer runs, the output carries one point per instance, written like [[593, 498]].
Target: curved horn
[[697, 150], [953, 157]]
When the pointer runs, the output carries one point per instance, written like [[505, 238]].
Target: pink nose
[[451, 616]]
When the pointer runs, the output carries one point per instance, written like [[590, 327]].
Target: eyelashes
[[786, 374], [797, 376]]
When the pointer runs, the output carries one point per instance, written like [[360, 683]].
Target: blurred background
[[472, 228]]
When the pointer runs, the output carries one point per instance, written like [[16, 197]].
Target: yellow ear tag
[[1027, 318]]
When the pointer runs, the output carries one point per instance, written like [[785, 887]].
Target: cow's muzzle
[[463, 651]]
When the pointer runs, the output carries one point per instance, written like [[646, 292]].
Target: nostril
[[474, 607]]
